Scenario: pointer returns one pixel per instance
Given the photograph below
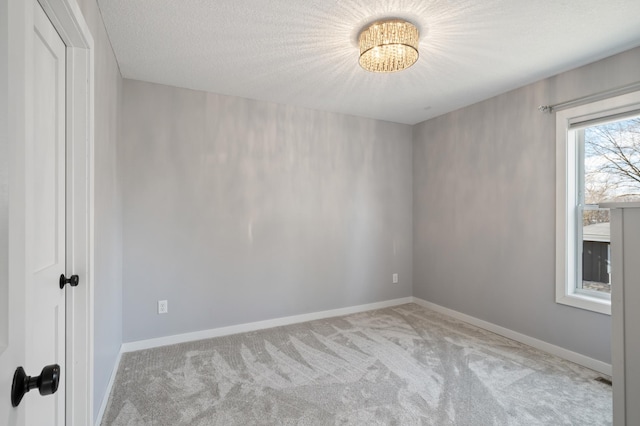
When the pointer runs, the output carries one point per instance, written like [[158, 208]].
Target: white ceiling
[[304, 52]]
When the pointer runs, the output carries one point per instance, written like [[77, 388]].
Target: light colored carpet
[[405, 365]]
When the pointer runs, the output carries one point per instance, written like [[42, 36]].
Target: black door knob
[[73, 281], [47, 383]]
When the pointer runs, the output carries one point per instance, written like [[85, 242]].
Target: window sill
[[589, 303]]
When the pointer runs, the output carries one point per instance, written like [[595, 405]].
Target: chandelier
[[388, 46]]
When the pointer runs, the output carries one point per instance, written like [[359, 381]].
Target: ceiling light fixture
[[388, 46]]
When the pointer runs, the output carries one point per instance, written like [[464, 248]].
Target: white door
[[32, 207], [45, 222]]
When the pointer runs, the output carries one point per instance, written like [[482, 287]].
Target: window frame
[[567, 196]]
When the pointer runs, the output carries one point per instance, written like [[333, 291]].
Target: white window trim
[[566, 226]]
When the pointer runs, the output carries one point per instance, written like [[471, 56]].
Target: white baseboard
[[594, 364], [107, 393], [259, 325]]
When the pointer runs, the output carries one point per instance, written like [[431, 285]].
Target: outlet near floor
[[163, 306], [395, 278]]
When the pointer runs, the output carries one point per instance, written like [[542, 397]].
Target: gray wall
[[108, 208], [484, 209], [238, 211], [4, 177]]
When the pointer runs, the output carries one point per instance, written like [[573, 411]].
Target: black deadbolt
[[47, 383], [73, 281]]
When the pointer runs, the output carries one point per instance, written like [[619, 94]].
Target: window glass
[[609, 171], [612, 161]]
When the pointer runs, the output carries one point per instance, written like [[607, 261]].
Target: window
[[598, 159]]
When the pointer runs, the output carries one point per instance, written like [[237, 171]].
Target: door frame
[[69, 22]]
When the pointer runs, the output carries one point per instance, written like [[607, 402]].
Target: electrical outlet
[[395, 278], [163, 306]]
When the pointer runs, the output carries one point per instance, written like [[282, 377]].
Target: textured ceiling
[[304, 52]]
